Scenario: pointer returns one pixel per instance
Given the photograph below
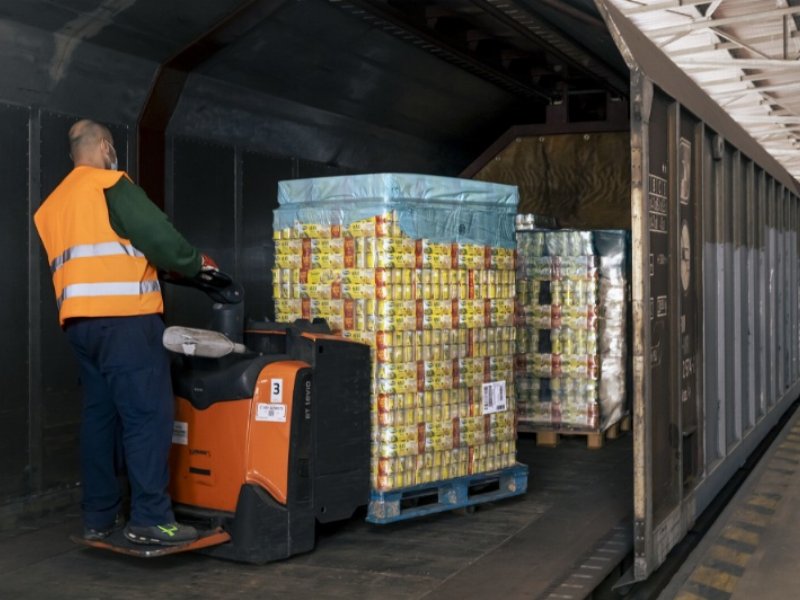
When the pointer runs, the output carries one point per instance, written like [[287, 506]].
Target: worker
[[104, 239]]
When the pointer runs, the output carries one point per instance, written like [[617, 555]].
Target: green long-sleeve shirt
[[134, 217]]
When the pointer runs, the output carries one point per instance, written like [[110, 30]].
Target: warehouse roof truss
[[744, 53]]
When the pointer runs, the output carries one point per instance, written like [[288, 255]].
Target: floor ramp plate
[[117, 542], [460, 492]]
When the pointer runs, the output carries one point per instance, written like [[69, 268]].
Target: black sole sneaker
[[171, 534], [95, 535]]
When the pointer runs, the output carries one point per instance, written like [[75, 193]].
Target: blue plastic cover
[[440, 209]]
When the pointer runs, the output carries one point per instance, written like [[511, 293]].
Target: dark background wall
[[220, 196]]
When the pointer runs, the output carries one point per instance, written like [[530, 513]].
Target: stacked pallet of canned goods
[[556, 364], [421, 269], [570, 367]]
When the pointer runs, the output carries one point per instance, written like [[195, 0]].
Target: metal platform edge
[[386, 507], [117, 543]]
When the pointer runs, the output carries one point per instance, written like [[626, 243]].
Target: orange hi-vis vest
[[96, 273]]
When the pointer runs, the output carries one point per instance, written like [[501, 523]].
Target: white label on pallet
[[276, 390], [180, 433], [275, 413], [494, 397]]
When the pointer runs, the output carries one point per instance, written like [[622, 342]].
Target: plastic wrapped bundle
[[570, 315], [557, 364], [612, 247], [421, 269]]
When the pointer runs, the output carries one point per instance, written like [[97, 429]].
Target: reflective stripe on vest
[[93, 250], [117, 288]]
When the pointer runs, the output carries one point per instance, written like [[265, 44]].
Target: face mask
[[112, 163]]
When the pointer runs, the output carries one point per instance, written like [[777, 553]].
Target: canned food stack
[[556, 366], [571, 355], [421, 269]]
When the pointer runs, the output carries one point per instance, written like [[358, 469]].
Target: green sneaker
[[170, 534]]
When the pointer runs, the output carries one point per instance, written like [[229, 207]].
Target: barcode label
[[494, 397], [276, 413], [180, 433]]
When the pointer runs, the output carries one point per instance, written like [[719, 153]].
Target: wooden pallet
[[460, 492], [594, 439]]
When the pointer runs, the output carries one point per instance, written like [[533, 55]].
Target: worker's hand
[[207, 264]]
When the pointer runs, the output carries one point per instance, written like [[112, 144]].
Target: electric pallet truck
[[271, 435]]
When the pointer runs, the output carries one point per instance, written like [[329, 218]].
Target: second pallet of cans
[[557, 363], [440, 320]]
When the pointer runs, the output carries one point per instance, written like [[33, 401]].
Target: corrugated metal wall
[[715, 245], [751, 273], [39, 405]]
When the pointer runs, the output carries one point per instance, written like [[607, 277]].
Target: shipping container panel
[[662, 225], [202, 204], [749, 365], [711, 298], [260, 176], [706, 409], [761, 290], [686, 238], [14, 343]]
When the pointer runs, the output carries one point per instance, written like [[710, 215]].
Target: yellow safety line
[[688, 596], [751, 517], [710, 575], [736, 534], [714, 578], [729, 555]]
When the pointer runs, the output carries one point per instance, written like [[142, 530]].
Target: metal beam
[[711, 23], [740, 44], [575, 13], [768, 119], [670, 5], [395, 21], [767, 88], [520, 19], [739, 63], [694, 50], [168, 86], [760, 76], [712, 9], [785, 37]]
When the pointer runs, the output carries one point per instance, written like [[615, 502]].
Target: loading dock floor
[[753, 548], [523, 547]]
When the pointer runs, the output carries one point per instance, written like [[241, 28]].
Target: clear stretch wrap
[[420, 268], [612, 249], [570, 315]]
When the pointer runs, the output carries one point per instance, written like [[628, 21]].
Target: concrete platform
[[753, 549], [521, 547]]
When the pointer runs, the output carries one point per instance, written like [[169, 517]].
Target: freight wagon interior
[[280, 95]]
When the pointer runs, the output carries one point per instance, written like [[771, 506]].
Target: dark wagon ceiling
[[445, 72]]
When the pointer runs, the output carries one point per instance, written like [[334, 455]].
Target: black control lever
[[218, 286]]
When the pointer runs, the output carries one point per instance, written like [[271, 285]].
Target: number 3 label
[[276, 390]]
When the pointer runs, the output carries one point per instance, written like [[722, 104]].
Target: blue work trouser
[[126, 381]]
